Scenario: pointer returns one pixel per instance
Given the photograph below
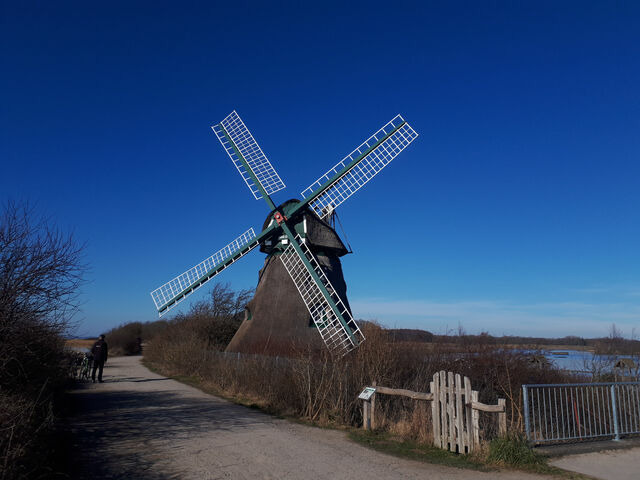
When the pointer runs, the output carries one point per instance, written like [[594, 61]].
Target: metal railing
[[571, 412]]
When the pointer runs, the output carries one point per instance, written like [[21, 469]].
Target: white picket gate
[[455, 423], [454, 410]]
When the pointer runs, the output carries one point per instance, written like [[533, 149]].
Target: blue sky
[[515, 211]]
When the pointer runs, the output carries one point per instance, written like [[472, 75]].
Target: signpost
[[368, 396], [367, 393]]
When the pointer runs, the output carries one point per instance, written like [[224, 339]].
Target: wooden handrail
[[483, 407], [405, 393]]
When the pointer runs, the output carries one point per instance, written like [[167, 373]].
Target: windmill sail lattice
[[360, 166], [339, 335], [173, 292], [281, 238], [236, 139]]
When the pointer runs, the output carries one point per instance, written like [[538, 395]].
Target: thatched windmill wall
[[276, 319]]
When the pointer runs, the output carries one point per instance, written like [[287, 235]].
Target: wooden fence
[[454, 411]]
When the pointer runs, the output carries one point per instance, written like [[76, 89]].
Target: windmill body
[[276, 321], [297, 240]]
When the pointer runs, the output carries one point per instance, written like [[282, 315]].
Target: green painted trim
[[269, 230], [320, 190], [217, 269], [316, 278]]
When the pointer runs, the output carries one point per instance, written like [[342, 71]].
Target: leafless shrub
[[127, 339], [317, 387], [40, 273]]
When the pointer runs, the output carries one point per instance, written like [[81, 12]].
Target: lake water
[[579, 360]]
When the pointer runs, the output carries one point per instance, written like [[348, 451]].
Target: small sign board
[[367, 393]]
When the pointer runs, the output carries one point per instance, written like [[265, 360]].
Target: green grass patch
[[386, 443], [514, 451], [503, 453]]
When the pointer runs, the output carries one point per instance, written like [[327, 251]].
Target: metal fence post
[[525, 400], [559, 412], [616, 428]]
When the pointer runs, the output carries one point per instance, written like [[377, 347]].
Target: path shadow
[[115, 434], [140, 379]]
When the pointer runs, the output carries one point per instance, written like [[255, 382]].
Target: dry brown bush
[[127, 338], [324, 390], [40, 272]]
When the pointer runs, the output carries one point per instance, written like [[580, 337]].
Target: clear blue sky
[[516, 211]]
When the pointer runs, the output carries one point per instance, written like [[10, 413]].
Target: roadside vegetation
[[325, 390], [315, 388], [41, 270], [127, 339]]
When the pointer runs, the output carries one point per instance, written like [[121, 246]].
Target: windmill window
[[247, 314]]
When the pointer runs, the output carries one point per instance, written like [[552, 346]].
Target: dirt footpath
[[607, 465], [144, 426]]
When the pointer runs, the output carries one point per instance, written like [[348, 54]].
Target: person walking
[[100, 353]]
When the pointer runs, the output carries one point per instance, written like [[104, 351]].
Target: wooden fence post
[[502, 417], [460, 437], [451, 410], [444, 427], [373, 408], [435, 410], [475, 416], [366, 421], [468, 414]]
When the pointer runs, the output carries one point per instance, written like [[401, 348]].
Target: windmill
[[285, 231]]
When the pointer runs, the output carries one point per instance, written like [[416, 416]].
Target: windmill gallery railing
[[454, 410], [572, 412]]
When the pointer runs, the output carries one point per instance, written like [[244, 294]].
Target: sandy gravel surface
[[607, 465], [139, 425]]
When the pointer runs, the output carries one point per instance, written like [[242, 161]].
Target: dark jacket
[[99, 351]]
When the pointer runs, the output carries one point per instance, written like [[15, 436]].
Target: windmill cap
[[319, 234]]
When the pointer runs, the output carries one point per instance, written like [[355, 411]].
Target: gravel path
[[607, 465], [144, 426]]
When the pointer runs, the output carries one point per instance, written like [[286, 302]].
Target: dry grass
[[324, 390], [78, 343], [313, 387]]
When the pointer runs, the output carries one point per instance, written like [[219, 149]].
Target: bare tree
[[217, 317], [41, 270], [615, 334], [242, 298], [222, 300], [225, 302], [615, 340]]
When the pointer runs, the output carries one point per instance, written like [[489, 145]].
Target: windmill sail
[[360, 166], [171, 293], [237, 140], [340, 332]]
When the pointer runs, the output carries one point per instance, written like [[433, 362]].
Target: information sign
[[367, 393]]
